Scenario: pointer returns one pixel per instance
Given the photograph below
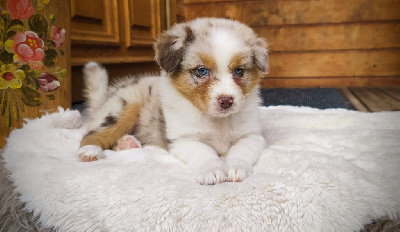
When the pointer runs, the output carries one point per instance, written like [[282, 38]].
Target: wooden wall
[[318, 43]]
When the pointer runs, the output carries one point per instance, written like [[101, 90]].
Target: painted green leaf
[[50, 58], [10, 34], [15, 111], [30, 97], [3, 102], [2, 28], [6, 16], [6, 57], [38, 24], [51, 97], [52, 44], [15, 24], [61, 52], [31, 81], [9, 117], [52, 19], [25, 68]]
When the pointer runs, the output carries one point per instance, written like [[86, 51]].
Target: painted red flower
[[58, 35], [28, 46], [48, 82], [20, 9]]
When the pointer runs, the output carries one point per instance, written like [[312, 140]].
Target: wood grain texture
[[354, 100], [327, 82], [375, 100], [95, 22], [143, 21], [279, 12], [332, 37], [138, 23], [393, 92], [334, 64]]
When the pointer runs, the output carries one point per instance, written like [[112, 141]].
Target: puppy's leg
[[243, 155], [207, 167], [96, 141]]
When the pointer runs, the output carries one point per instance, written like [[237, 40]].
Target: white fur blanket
[[331, 170]]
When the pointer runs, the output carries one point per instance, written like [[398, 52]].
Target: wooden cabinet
[[143, 21], [35, 75], [94, 21], [116, 33]]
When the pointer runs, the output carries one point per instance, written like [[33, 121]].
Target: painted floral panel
[[30, 45]]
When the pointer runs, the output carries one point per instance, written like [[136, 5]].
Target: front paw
[[90, 153], [211, 172], [238, 170]]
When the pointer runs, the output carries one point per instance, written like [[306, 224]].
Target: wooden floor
[[374, 99]]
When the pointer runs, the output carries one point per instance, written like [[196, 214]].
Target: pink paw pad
[[128, 142]]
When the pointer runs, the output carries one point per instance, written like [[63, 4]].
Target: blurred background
[[348, 48]]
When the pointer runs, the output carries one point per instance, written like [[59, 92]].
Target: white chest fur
[[185, 122]]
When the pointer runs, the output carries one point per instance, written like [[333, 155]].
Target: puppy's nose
[[225, 101]]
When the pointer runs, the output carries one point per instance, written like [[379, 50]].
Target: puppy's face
[[214, 63]]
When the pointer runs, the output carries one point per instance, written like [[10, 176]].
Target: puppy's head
[[214, 63]]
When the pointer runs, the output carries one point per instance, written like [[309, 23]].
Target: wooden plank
[[276, 12], [207, 1], [393, 103], [374, 100], [393, 92], [334, 82], [336, 64], [353, 99], [332, 37]]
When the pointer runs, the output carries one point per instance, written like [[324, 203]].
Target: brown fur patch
[[251, 76], [208, 61], [193, 90], [197, 94], [109, 121], [106, 138]]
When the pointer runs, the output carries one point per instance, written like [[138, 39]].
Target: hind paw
[[127, 142]]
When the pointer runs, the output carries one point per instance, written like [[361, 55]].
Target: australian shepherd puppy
[[203, 108]]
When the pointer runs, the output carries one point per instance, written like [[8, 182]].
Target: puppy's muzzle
[[225, 102]]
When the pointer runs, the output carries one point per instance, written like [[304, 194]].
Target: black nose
[[225, 102]]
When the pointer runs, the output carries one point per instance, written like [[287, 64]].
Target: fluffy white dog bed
[[331, 170]]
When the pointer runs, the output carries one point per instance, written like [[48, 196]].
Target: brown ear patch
[[168, 54], [260, 55], [167, 57]]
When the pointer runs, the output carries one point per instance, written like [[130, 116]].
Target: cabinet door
[[94, 21], [142, 21], [34, 59]]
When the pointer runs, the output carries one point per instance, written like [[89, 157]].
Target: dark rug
[[326, 98]]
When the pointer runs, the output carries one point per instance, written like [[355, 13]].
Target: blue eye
[[203, 71], [238, 72]]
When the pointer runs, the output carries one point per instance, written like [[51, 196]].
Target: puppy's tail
[[96, 84]]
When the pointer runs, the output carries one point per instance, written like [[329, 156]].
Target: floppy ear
[[170, 47], [260, 55]]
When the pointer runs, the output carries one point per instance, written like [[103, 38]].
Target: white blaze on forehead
[[225, 44]]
